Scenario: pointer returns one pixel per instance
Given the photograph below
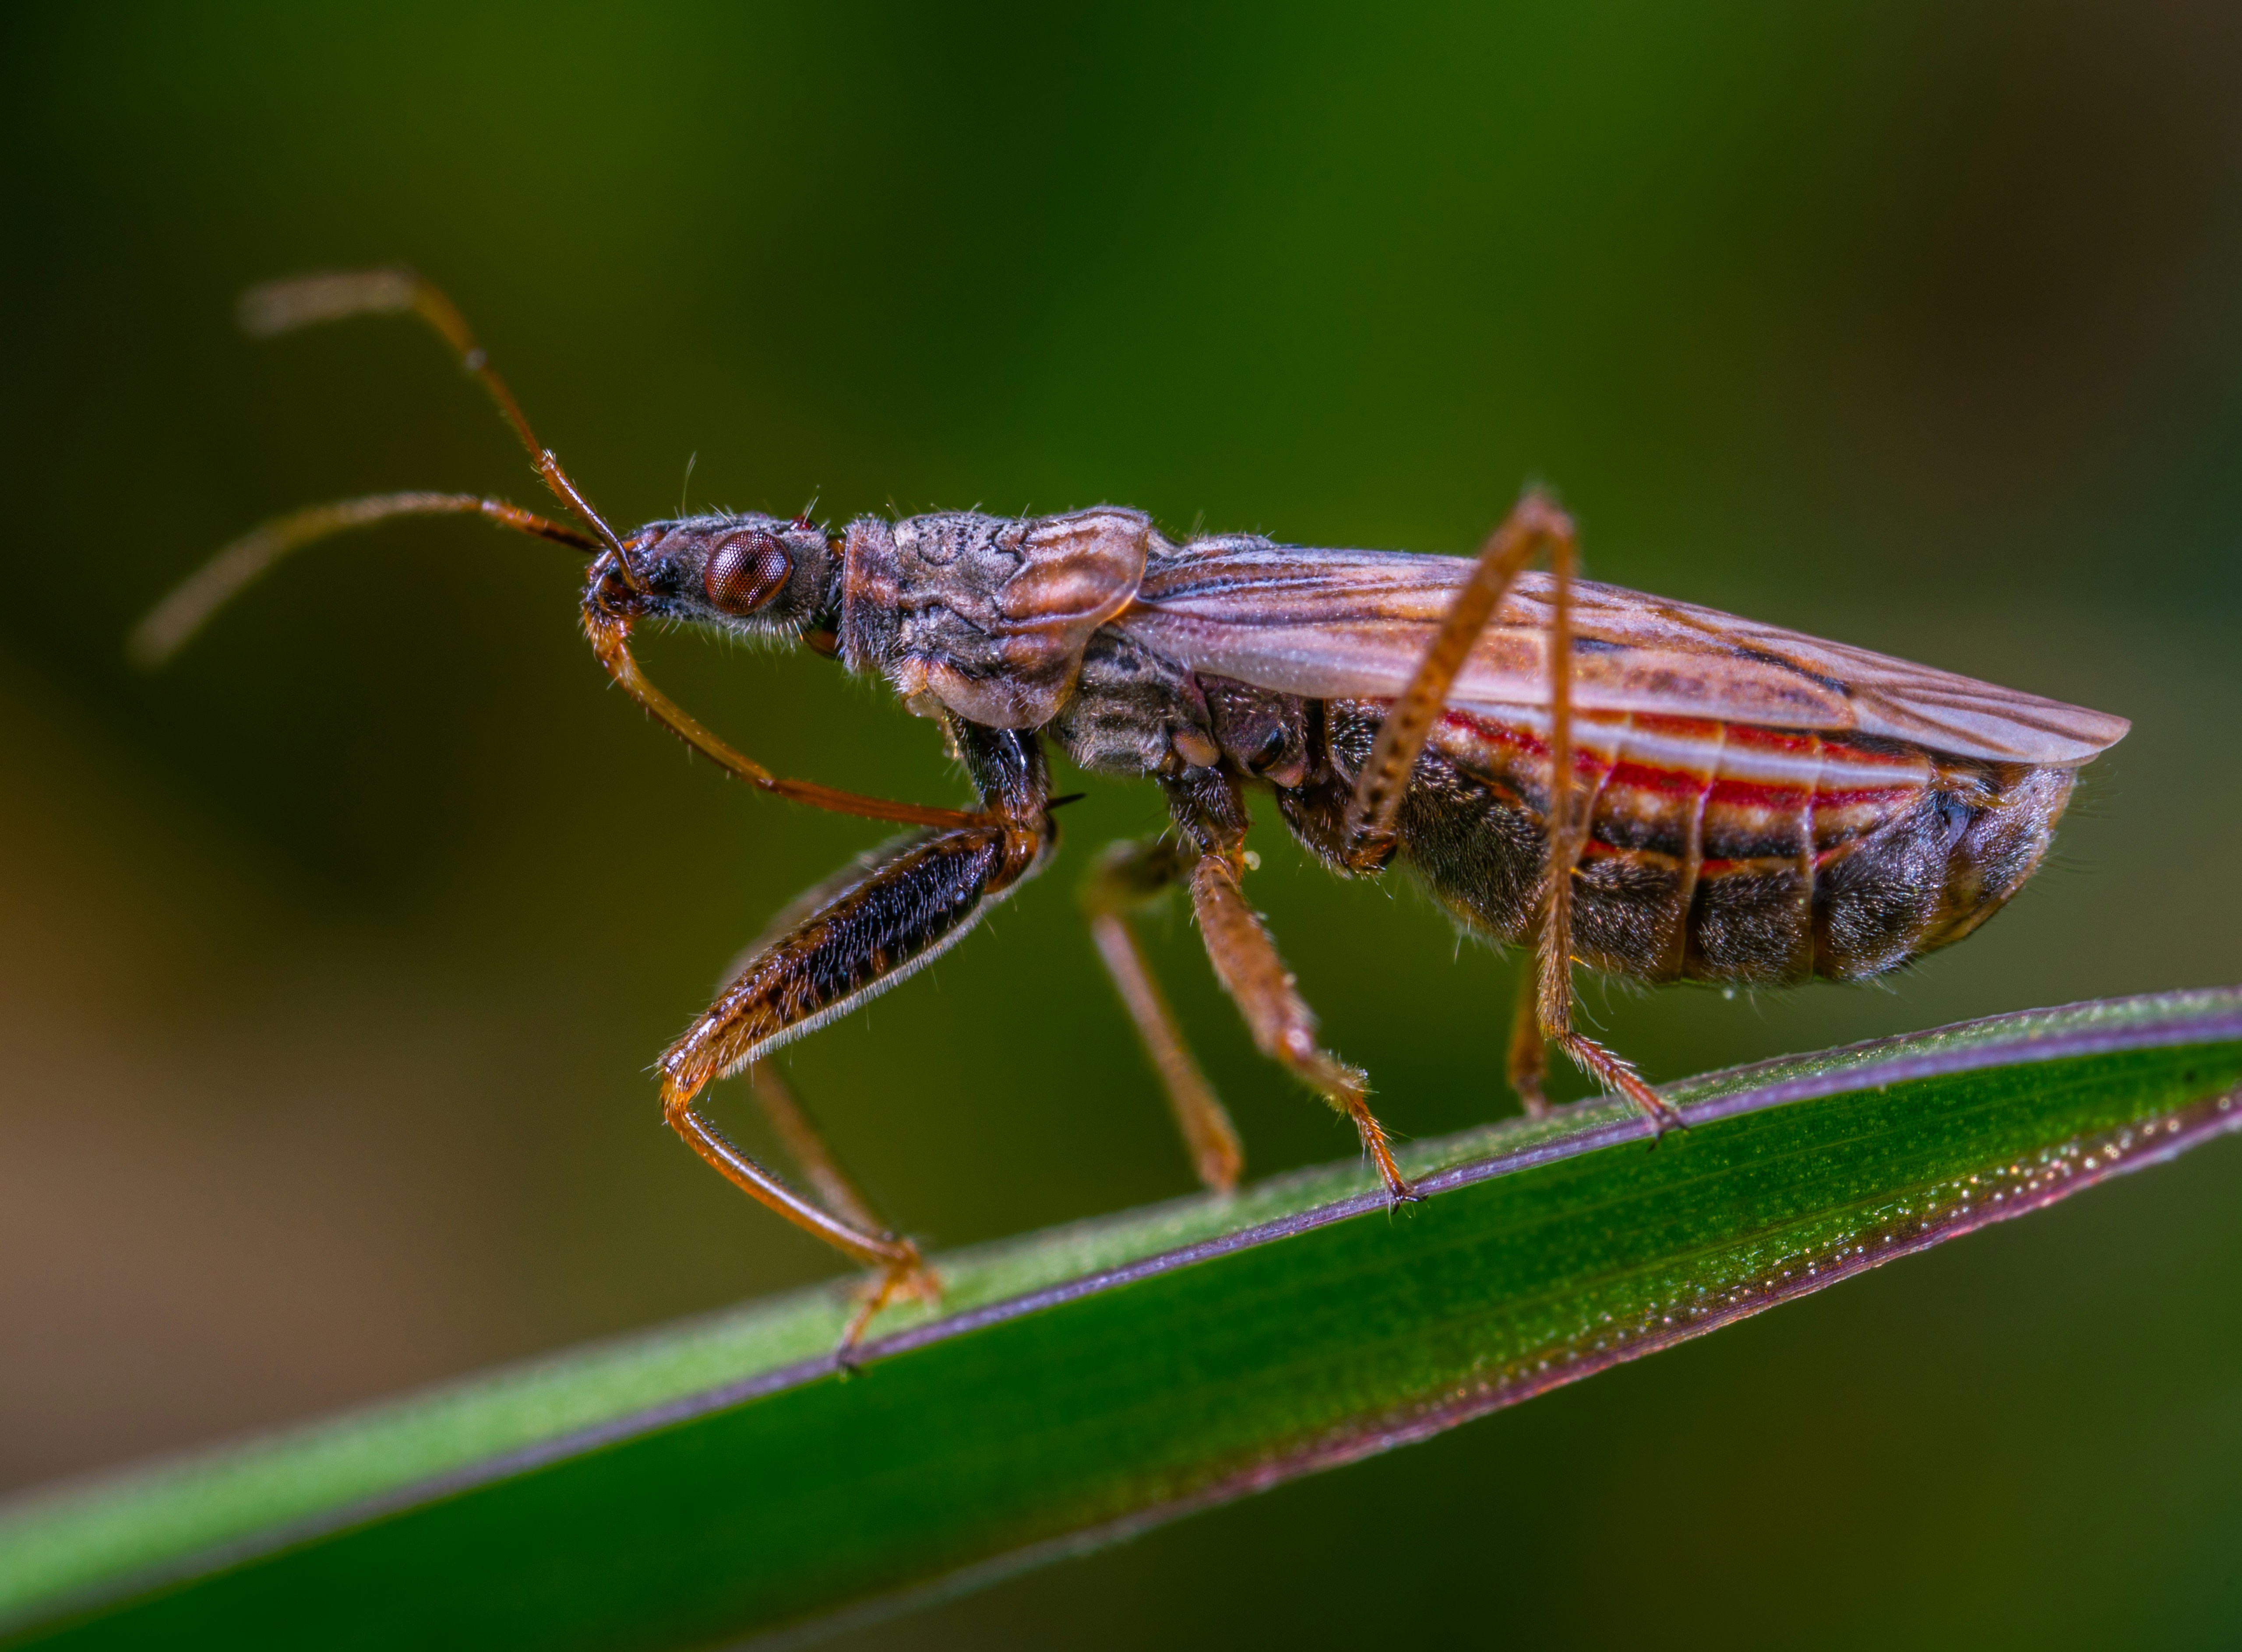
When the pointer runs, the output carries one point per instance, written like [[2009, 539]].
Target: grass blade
[[717, 1478]]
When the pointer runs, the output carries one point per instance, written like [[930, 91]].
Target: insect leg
[[1534, 523], [895, 917], [1211, 809], [610, 633], [1529, 1050], [772, 1093], [824, 1173], [807, 1149], [1247, 964], [1132, 875], [1566, 830], [858, 935]]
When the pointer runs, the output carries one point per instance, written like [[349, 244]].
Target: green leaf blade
[[716, 1479]]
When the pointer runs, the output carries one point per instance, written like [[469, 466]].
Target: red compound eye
[[746, 571]]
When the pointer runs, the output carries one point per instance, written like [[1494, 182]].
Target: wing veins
[[1234, 610]]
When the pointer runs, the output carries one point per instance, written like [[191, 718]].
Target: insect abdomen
[[1720, 851]]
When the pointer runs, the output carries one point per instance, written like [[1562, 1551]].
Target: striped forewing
[[1355, 624]]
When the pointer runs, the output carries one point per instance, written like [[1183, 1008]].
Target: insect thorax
[[983, 617]]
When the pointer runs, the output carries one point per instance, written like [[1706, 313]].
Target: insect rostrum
[[1641, 785]]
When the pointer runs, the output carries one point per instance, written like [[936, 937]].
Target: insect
[[1639, 785]]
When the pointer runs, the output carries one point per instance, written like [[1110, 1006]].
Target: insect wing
[[1354, 625]]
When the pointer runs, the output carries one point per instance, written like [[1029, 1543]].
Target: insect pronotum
[[1642, 786]]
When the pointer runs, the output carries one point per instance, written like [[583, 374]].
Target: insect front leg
[[903, 908], [1247, 961], [902, 1278], [1133, 875], [807, 1149], [912, 905]]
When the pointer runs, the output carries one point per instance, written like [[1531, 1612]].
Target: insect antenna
[[283, 307], [173, 622], [306, 300]]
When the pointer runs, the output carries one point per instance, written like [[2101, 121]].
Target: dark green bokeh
[[334, 956]]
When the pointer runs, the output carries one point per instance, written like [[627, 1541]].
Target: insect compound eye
[[746, 570]]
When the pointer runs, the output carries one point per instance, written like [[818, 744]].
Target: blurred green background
[[330, 961]]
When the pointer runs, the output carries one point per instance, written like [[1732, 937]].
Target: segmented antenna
[[305, 301], [174, 621], [282, 306]]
